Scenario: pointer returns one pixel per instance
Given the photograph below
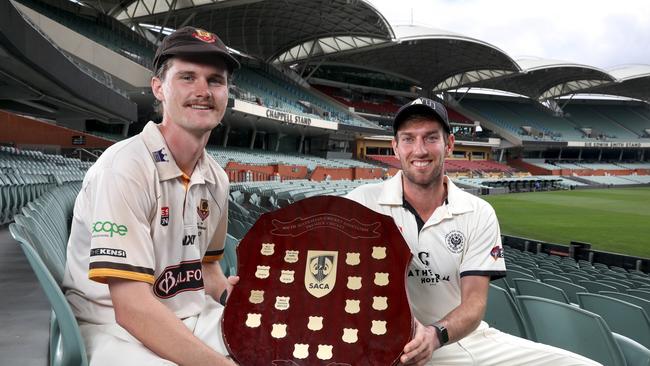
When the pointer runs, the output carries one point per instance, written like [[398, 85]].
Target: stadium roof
[[632, 81], [288, 30], [433, 56], [546, 79], [354, 32]]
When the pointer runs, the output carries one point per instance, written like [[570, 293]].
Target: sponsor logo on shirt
[[203, 209], [496, 252], [164, 216], [426, 276], [186, 276], [159, 156], [455, 241], [189, 239], [108, 251], [107, 229]]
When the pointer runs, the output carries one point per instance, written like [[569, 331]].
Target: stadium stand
[[263, 157], [103, 29], [582, 121], [271, 90]]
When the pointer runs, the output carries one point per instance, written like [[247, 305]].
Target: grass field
[[613, 220]]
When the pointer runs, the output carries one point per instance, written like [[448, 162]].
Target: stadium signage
[[288, 117], [608, 144]]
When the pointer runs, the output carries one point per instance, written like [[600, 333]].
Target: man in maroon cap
[[149, 224]]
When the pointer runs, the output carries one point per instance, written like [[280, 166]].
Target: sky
[[598, 33]]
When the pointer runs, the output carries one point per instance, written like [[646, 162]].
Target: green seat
[[635, 353], [511, 274], [622, 317], [540, 289], [642, 293], [594, 286], [570, 289], [66, 345], [502, 312], [553, 276], [571, 328], [229, 260], [620, 285], [645, 304]]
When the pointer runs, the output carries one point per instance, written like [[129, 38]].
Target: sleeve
[[121, 245], [217, 244], [484, 255]]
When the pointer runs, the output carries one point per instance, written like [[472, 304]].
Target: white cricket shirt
[[461, 238], [138, 217]]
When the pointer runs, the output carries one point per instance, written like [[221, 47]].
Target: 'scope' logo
[[108, 228]]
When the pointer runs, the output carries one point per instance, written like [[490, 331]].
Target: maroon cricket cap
[[423, 106], [193, 42]]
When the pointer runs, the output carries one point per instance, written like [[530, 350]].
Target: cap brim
[[191, 52]]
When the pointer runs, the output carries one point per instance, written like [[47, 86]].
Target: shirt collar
[[164, 161], [393, 194]]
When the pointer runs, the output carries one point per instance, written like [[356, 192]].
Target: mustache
[[202, 101]]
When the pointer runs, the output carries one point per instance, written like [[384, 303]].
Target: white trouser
[[110, 344], [490, 347]]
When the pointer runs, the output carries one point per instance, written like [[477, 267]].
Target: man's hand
[[419, 350], [230, 284]]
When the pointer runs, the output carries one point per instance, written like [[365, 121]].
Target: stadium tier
[[585, 116], [267, 89], [264, 157], [581, 121], [102, 29]]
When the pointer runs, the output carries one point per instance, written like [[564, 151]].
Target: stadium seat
[[635, 353], [643, 303], [570, 289], [511, 274], [540, 289], [622, 317], [229, 260], [553, 276], [639, 293], [502, 312], [66, 344], [618, 284], [578, 276], [595, 287], [571, 328]]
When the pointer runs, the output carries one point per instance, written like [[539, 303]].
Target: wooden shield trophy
[[322, 282]]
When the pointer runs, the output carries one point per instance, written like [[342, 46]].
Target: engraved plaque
[[322, 282]]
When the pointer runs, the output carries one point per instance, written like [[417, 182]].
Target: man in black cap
[[150, 222], [456, 245]]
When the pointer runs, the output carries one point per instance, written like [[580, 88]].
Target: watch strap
[[443, 335]]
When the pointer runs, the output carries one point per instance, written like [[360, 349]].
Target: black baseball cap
[[193, 42], [423, 106]]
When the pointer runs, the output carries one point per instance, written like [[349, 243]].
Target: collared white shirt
[[461, 238], [136, 218]]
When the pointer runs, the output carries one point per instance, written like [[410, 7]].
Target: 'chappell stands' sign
[[288, 117]]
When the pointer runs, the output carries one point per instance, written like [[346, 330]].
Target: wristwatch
[[443, 336]]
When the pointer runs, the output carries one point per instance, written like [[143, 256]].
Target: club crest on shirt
[[455, 241], [203, 210]]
